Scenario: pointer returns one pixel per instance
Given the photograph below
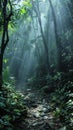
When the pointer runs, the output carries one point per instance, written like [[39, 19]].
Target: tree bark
[[5, 36], [1, 68]]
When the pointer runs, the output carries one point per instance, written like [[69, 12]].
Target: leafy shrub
[[6, 76], [39, 78], [62, 100], [12, 108]]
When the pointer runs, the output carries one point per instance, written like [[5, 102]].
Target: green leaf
[[5, 61], [23, 11]]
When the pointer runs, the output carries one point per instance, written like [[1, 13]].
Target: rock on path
[[40, 115]]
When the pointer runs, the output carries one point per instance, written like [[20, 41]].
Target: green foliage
[[7, 78], [26, 5], [62, 97], [12, 108], [21, 10], [40, 77], [62, 101], [44, 81], [6, 74], [57, 76]]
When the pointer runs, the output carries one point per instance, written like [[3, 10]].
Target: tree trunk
[[37, 11], [58, 41], [1, 68], [5, 36]]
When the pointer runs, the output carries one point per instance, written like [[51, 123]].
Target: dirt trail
[[40, 113]]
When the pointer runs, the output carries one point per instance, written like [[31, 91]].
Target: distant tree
[[38, 15], [58, 41], [6, 13]]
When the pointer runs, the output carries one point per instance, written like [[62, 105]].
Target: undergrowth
[[59, 89], [62, 100], [12, 108]]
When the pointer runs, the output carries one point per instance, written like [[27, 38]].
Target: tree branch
[[6, 19]]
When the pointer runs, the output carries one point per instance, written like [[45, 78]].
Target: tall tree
[[58, 42], [6, 12], [38, 15]]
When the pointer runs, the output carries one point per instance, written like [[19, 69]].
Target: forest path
[[40, 112]]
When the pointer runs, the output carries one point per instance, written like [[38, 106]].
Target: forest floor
[[40, 112]]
